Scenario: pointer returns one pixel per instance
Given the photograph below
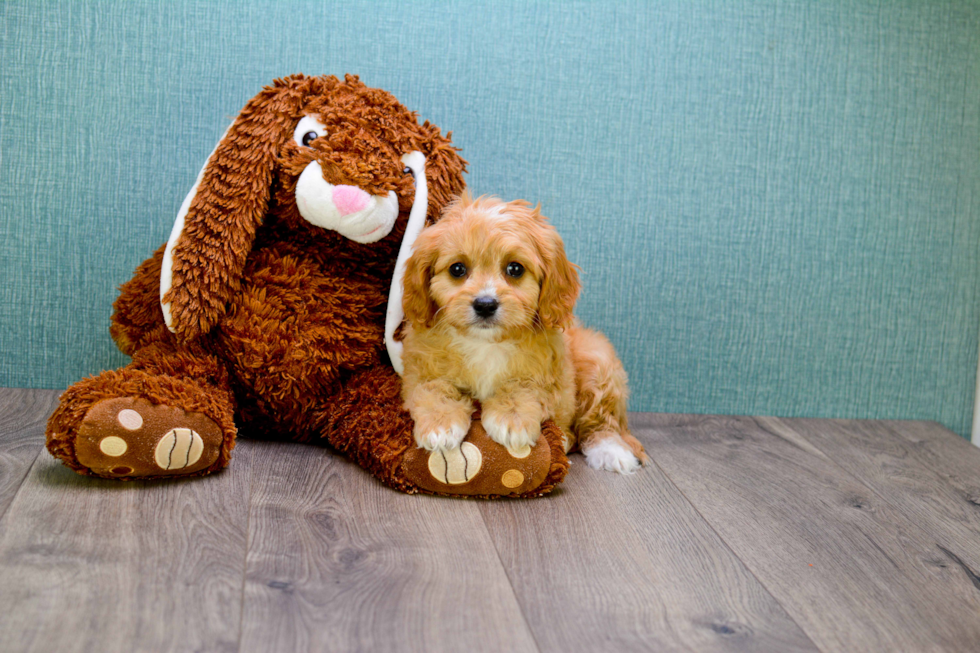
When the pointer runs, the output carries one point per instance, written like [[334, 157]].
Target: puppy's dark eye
[[408, 171], [515, 270], [309, 137], [457, 270]]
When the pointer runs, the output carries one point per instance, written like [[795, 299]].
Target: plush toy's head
[[316, 156]]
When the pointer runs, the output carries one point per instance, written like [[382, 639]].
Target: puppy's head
[[490, 267]]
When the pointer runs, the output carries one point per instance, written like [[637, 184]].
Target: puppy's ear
[[560, 286], [216, 224], [420, 309]]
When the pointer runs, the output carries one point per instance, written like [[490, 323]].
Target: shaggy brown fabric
[[277, 324]]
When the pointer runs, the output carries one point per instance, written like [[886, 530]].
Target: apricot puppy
[[489, 295]]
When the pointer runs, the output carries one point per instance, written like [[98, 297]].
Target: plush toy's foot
[[131, 437], [481, 467], [129, 424], [368, 423]]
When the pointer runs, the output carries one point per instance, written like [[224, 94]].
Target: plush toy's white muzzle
[[348, 210]]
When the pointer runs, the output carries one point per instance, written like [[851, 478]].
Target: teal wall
[[776, 205]]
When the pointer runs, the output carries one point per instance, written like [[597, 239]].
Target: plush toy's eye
[[515, 270], [408, 171], [457, 270], [307, 130]]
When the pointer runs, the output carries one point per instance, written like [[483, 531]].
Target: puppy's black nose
[[485, 306]]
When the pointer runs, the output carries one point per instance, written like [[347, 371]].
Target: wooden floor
[[748, 534]]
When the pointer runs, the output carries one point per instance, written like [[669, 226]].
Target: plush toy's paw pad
[[456, 466], [127, 437], [480, 466], [180, 448], [611, 455]]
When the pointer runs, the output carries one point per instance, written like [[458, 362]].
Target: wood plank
[[613, 563], [851, 570], [935, 486], [339, 562], [101, 565], [953, 458], [23, 416]]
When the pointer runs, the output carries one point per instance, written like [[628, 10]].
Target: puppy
[[488, 298]]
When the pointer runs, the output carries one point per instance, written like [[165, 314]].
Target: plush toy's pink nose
[[349, 199]]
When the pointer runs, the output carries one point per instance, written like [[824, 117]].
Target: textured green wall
[[775, 204]]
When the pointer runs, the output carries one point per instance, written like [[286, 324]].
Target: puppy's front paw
[[511, 430], [440, 436], [611, 456]]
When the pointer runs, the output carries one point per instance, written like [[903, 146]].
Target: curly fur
[[523, 358]]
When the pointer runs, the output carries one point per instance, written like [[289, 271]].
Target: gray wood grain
[[338, 562], [613, 563], [927, 473], [746, 534], [99, 565], [850, 569], [23, 415]]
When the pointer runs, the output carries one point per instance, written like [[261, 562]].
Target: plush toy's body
[[265, 312]]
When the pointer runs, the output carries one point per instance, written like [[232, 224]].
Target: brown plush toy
[[267, 311]]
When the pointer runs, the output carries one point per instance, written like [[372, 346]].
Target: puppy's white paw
[[442, 438], [512, 433], [611, 456]]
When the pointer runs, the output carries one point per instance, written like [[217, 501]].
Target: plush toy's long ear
[[444, 169], [414, 161], [216, 224]]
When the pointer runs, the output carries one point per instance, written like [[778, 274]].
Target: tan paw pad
[[519, 452], [512, 478], [179, 448], [130, 420], [456, 466], [113, 446]]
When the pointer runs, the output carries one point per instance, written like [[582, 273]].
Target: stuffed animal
[[267, 312]]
